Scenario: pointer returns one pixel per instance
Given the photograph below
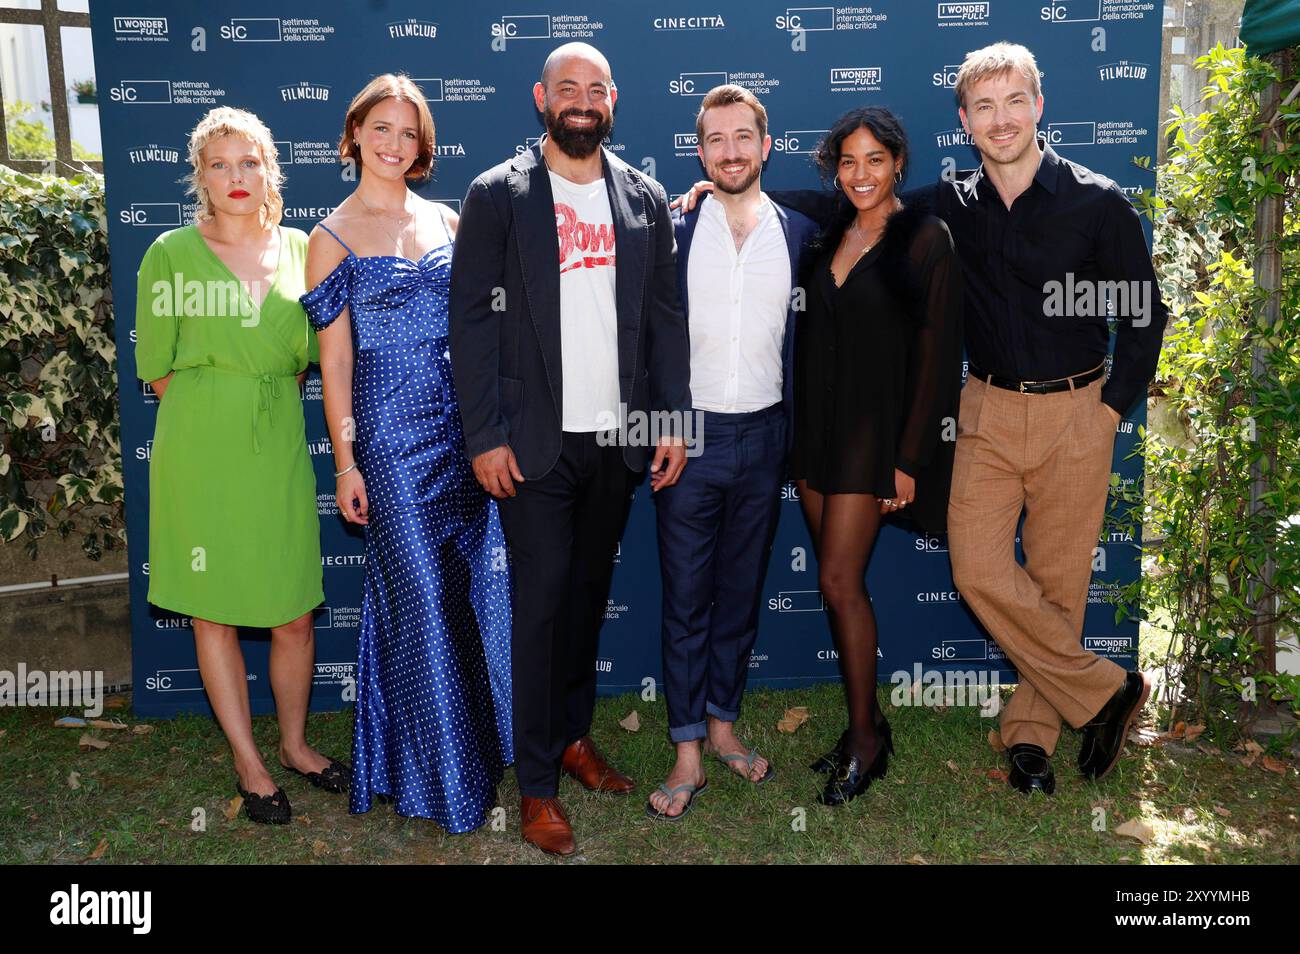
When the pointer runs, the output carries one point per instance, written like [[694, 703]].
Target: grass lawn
[[942, 802]]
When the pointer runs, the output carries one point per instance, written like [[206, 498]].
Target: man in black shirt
[[1045, 245]]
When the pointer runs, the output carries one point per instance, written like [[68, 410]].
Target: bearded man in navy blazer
[[739, 264], [565, 327]]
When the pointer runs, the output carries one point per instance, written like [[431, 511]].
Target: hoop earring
[[898, 176], [837, 182]]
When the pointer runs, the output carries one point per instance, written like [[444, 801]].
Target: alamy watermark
[[650, 428], [980, 688], [39, 687], [1087, 298]]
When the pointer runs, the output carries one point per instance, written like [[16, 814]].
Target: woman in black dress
[[877, 377]]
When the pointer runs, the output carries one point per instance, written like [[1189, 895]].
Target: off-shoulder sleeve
[[324, 302], [157, 325], [934, 372]]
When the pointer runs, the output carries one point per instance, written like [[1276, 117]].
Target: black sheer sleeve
[[934, 368], [819, 205]]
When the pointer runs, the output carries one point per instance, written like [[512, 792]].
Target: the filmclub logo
[[140, 28], [412, 29], [304, 91], [799, 141], [141, 92], [153, 153], [1123, 70]]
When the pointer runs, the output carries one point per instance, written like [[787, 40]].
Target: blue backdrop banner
[[161, 66]]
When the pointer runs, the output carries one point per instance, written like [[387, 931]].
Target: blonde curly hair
[[229, 121]]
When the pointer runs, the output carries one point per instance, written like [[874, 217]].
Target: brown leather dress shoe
[[545, 825], [588, 766]]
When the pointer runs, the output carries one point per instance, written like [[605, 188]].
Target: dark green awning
[[1270, 25]]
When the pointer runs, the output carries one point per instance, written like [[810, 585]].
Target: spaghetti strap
[[337, 239], [443, 219]]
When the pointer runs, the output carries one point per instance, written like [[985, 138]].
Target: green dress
[[234, 535]]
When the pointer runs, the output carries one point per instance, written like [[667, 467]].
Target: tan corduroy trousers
[[1048, 455]]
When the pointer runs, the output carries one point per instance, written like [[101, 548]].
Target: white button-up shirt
[[738, 303]]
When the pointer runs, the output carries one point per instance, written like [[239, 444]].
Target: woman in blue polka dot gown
[[433, 665]]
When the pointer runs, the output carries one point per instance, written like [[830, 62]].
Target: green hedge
[[60, 451]]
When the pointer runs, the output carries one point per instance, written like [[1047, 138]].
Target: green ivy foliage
[[1205, 545], [60, 452]]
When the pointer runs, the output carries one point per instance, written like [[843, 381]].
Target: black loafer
[[825, 764], [1031, 769], [1104, 736]]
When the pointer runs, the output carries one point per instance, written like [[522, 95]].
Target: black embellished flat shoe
[[1031, 769], [265, 809], [826, 763], [334, 777], [851, 778]]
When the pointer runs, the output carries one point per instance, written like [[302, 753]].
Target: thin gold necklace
[[401, 231]]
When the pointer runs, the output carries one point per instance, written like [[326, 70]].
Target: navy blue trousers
[[716, 527]]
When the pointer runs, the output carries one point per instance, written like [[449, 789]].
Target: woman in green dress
[[234, 538]]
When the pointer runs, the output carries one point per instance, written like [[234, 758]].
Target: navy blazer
[[799, 231], [504, 310]]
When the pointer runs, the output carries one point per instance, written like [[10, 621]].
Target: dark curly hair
[[882, 124]]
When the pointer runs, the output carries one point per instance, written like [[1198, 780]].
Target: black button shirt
[[1035, 275]]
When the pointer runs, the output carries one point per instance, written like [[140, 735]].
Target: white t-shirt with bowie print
[[584, 225]]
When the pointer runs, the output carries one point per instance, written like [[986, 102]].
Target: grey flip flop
[[657, 815], [749, 764]]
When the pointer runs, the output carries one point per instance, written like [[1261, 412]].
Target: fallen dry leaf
[[115, 702], [74, 780], [1249, 760], [1192, 732], [995, 741], [631, 722], [1144, 737], [1138, 829], [89, 742], [175, 750], [231, 810], [917, 860], [305, 819], [1220, 810], [319, 848], [141, 729], [1177, 731], [1273, 765], [953, 766], [219, 757], [793, 718], [1206, 749], [1254, 748], [99, 850], [106, 724], [998, 774]]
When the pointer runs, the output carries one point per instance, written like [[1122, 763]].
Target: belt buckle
[[1022, 388]]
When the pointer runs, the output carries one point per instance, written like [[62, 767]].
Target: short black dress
[[878, 368]]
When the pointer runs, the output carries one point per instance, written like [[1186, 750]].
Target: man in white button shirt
[[739, 256]]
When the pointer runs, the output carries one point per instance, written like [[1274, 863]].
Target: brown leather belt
[[1039, 387]]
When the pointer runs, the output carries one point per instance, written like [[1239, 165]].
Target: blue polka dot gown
[[433, 662]]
